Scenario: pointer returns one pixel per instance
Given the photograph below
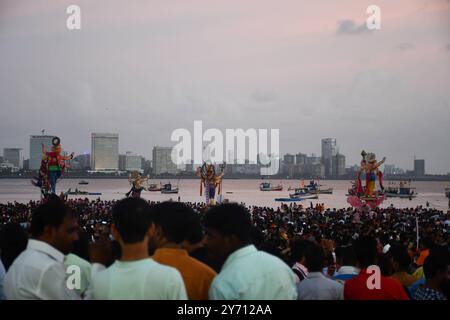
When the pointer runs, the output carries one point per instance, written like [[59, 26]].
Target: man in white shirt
[[247, 274], [135, 276], [38, 272], [2, 280], [317, 286]]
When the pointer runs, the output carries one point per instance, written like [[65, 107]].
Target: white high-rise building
[[162, 161], [14, 156], [104, 151], [36, 150]]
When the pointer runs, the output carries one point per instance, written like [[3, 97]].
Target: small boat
[[83, 182], [404, 190], [304, 197], [287, 199], [167, 189], [267, 186], [312, 188], [154, 187], [77, 192]]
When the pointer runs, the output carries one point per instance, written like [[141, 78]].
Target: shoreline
[[125, 177]]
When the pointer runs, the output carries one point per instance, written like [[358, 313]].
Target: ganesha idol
[[367, 194]]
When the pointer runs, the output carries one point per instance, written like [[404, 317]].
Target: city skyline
[[308, 68], [336, 165]]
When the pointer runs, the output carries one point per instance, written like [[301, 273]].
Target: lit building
[[104, 151]]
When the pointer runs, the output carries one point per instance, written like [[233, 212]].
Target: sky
[[311, 69]]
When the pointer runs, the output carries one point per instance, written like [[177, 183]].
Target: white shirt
[[143, 279], [38, 273], [250, 274], [2, 279], [318, 287]]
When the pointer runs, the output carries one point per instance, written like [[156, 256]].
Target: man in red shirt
[[370, 284]]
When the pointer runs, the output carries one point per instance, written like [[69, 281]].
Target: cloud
[[448, 46], [350, 27], [406, 46]]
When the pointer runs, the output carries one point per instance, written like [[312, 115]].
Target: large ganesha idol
[[360, 195]]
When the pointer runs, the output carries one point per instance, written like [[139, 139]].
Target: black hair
[[437, 261], [399, 254], [51, 213], [347, 255], [81, 246], [315, 259], [13, 240], [299, 249], [195, 229], [229, 219], [132, 219], [175, 220], [365, 250]]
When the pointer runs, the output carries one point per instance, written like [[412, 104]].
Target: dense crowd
[[228, 251]]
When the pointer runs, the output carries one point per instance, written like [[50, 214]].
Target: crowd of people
[[135, 249]]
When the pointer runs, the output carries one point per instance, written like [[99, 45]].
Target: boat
[[404, 190], [447, 192], [83, 182], [154, 187], [312, 188], [304, 197], [288, 199], [167, 189], [77, 192], [267, 186]]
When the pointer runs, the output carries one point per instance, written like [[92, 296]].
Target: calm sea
[[236, 190]]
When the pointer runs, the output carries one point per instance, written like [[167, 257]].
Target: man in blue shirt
[[247, 272]]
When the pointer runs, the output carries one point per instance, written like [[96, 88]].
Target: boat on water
[[287, 200], [83, 182], [312, 188], [267, 186], [304, 197], [403, 190], [167, 189], [154, 187], [77, 192], [293, 198]]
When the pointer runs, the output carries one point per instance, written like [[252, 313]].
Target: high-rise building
[[300, 158], [133, 162], [329, 150], [104, 151], [289, 159], [419, 167], [36, 149], [338, 165], [162, 161], [14, 156]]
